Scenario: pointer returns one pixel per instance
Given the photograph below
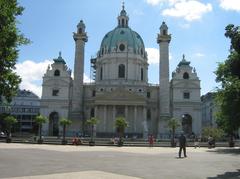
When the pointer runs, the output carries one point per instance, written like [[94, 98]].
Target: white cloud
[[199, 54], [189, 9], [86, 79], [158, 2], [230, 5], [153, 55], [155, 2], [31, 73]]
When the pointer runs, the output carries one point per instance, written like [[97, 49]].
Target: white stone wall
[[133, 64], [182, 106], [61, 102]]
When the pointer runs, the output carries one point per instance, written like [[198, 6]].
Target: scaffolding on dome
[[93, 69]]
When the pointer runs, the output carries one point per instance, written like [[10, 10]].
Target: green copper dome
[[122, 35], [122, 38]]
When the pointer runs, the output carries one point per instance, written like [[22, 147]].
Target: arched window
[[101, 73], [121, 71], [186, 76], [122, 22], [56, 73], [141, 74], [80, 30], [164, 32]]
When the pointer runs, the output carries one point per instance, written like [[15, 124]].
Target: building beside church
[[121, 87], [209, 109], [25, 106]]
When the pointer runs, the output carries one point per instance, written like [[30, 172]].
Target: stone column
[[104, 118], [80, 38], [96, 116], [135, 119], [145, 126], [126, 115], [163, 40], [114, 116], [126, 112]]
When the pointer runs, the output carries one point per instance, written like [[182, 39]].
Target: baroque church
[[121, 88]]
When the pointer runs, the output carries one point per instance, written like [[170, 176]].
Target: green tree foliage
[[92, 122], [228, 74], [40, 120], [216, 133], [173, 124], [10, 40], [10, 121], [64, 122], [120, 125]]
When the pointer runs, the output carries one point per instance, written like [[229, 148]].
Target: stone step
[[106, 142]]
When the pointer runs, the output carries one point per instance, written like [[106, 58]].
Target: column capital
[[82, 36], [163, 38]]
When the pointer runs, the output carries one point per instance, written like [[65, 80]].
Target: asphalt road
[[54, 161]]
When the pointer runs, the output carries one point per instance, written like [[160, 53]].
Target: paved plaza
[[32, 161]]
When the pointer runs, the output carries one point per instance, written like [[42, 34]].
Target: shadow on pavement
[[227, 175], [234, 151]]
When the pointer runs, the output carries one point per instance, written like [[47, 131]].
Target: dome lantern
[[123, 18]]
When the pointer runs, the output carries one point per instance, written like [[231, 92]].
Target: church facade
[[121, 87]]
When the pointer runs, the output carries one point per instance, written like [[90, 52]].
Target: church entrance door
[[53, 124], [187, 124]]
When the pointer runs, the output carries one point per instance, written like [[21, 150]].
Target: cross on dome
[[123, 5]]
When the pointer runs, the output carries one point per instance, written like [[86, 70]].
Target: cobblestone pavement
[[55, 161]]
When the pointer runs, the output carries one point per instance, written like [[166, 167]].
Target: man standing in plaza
[[182, 145]]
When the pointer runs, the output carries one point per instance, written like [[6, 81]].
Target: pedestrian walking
[[151, 140], [182, 145]]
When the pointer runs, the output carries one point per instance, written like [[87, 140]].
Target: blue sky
[[197, 28]]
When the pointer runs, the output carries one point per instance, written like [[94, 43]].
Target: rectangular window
[[186, 95], [55, 92], [148, 94], [92, 113], [93, 93], [148, 114]]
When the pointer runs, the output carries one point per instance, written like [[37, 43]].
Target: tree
[[40, 120], [173, 124], [10, 121], [216, 133], [92, 122], [228, 74], [65, 122], [10, 40], [120, 125]]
